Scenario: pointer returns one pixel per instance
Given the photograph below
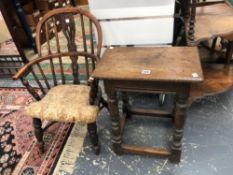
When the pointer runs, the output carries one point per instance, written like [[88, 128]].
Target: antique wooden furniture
[[218, 79], [154, 25], [60, 98], [149, 70], [217, 16], [209, 20]]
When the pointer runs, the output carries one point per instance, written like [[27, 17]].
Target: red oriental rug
[[19, 153]]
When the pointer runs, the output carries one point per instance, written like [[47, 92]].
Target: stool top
[[180, 64]]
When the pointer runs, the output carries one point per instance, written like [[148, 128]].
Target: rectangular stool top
[[176, 64]]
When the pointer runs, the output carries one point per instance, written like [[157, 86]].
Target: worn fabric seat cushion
[[65, 103]]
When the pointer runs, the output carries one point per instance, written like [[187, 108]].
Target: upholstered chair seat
[[65, 103]]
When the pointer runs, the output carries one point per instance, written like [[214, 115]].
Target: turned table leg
[[114, 114], [126, 105], [180, 114]]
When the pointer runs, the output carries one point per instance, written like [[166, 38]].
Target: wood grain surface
[[151, 64]]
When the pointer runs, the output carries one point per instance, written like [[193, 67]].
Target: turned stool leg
[[92, 130], [180, 113], [38, 133], [126, 105], [114, 114]]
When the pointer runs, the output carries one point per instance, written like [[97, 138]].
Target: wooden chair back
[[64, 47], [190, 13]]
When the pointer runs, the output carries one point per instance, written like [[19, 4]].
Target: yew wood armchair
[[60, 79]]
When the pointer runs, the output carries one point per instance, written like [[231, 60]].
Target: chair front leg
[[38, 133], [92, 130], [94, 90]]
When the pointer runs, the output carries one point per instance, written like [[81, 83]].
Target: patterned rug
[[19, 154], [12, 100]]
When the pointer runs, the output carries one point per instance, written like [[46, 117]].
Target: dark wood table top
[[176, 64]]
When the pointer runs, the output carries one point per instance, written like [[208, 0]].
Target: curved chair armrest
[[27, 66], [22, 75], [24, 70], [21, 72]]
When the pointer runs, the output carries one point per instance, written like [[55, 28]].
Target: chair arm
[[27, 67], [22, 75], [21, 72]]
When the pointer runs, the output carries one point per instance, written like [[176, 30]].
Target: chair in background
[[60, 78], [210, 20], [206, 21]]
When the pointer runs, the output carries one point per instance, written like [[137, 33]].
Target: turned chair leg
[[38, 133], [92, 130]]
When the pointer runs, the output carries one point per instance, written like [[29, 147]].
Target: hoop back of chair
[[63, 19], [68, 32], [68, 51]]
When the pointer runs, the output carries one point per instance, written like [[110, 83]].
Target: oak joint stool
[[149, 70]]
